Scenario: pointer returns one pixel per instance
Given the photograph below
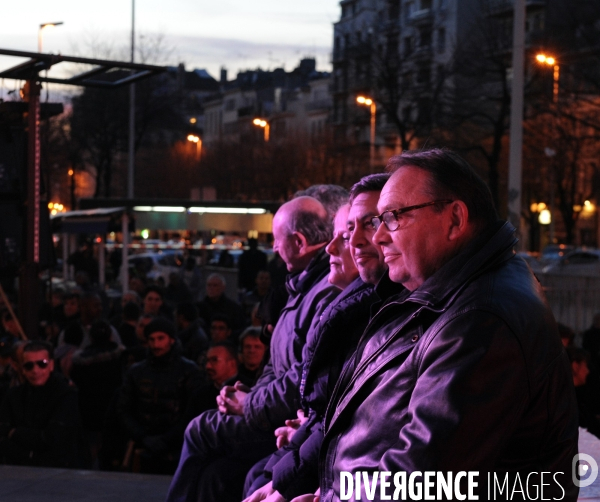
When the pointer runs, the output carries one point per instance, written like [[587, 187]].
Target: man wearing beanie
[[154, 397]]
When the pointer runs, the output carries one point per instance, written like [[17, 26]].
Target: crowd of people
[[408, 337], [114, 388]]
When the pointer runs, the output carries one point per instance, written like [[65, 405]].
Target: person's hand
[[231, 399], [309, 497], [261, 493], [284, 434]]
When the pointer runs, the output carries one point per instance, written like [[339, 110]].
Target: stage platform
[[30, 484]]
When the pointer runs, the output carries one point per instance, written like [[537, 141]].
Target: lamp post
[[265, 125], [363, 100], [550, 61], [550, 152], [72, 187], [43, 26], [194, 138]]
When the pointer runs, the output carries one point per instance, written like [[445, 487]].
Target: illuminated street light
[[265, 125], [363, 100], [43, 26], [194, 138], [550, 61]]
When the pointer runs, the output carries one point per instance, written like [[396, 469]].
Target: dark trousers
[[217, 448]]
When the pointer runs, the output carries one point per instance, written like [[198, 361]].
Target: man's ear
[[299, 242], [51, 365], [459, 220]]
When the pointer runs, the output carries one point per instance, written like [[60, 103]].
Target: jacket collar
[[487, 251], [301, 283]]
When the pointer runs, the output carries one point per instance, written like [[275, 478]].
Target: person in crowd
[[154, 303], [241, 434], [221, 369], [194, 340], [567, 335], [591, 341], [579, 365], [138, 285], [39, 420], [469, 349], [153, 400], [6, 377], [252, 353], [71, 308], [177, 290], [192, 277], [262, 286], [130, 317], [130, 296], [9, 325], [73, 339], [96, 371], [91, 310], [220, 328], [83, 261], [217, 302], [293, 468], [331, 196], [251, 262]]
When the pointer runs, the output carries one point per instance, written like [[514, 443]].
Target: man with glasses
[[39, 420], [461, 371]]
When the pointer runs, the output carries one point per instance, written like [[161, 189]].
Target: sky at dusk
[[237, 34]]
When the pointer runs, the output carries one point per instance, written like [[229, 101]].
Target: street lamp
[[550, 61], [194, 138], [43, 26], [265, 125], [363, 100], [72, 187]]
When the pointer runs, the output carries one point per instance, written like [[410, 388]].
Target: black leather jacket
[[466, 373]]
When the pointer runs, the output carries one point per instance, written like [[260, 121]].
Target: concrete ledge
[[32, 484]]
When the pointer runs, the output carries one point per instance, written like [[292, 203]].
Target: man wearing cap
[[153, 400]]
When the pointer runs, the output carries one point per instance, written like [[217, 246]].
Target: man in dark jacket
[[217, 302], [293, 468], [154, 397], [39, 420], [243, 433], [463, 370]]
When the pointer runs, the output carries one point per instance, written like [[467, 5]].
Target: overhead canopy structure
[[177, 214], [90, 221], [88, 72]]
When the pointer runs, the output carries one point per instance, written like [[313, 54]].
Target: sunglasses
[[42, 364]]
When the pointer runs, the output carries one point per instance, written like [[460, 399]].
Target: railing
[[574, 300]]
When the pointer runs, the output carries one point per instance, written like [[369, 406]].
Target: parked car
[[157, 264], [580, 262], [532, 260]]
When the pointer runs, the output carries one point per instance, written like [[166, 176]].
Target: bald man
[[220, 446]]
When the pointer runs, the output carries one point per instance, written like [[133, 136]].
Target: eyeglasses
[[42, 364], [393, 220]]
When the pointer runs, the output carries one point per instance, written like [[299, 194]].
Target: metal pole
[[125, 252], [131, 149], [372, 145], [516, 117], [65, 256], [29, 283], [101, 262]]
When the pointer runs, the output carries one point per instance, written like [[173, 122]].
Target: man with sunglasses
[[39, 420], [462, 371]]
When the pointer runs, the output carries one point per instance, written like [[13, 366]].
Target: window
[[424, 75], [409, 8], [425, 37], [441, 40], [408, 46], [230, 105]]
